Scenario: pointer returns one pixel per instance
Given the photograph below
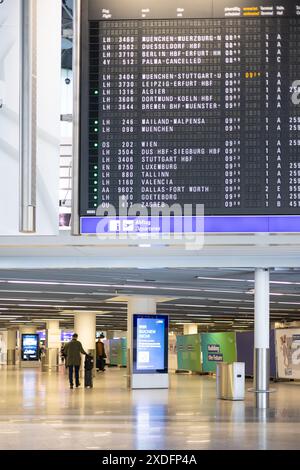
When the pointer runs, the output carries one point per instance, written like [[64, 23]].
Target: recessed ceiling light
[[20, 321], [223, 279], [8, 317], [198, 315], [13, 300], [42, 283], [223, 321]]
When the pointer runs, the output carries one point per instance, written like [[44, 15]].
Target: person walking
[[72, 351], [101, 356]]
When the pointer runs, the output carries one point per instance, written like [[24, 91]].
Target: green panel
[[124, 352], [217, 347], [189, 352], [115, 352], [118, 352]]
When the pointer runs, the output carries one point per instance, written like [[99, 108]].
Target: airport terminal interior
[[150, 211], [188, 415]]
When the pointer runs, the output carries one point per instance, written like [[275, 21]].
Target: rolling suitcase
[[88, 378], [88, 371]]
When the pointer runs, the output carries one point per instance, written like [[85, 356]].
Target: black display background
[[252, 176]]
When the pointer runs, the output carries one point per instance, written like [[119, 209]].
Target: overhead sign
[[66, 336], [193, 105]]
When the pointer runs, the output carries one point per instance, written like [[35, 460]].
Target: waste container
[[44, 363], [231, 381], [11, 357], [221, 376], [50, 360]]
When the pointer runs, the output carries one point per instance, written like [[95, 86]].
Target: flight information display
[[196, 104]]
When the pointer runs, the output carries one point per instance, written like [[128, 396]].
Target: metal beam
[[28, 115], [76, 115], [67, 10]]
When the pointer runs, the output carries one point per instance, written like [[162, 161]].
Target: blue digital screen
[[150, 352], [42, 335], [66, 336], [30, 347]]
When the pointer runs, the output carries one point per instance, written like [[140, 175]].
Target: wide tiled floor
[[39, 411]]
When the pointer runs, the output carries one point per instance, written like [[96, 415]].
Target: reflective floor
[[39, 411]]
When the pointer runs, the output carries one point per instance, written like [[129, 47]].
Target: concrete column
[[141, 305], [28, 115], [30, 330], [85, 327], [53, 324], [262, 337], [52, 345], [190, 329], [11, 346], [137, 304]]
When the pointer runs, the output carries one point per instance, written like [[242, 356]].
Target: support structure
[[52, 345], [76, 115], [262, 338], [141, 305], [28, 115], [11, 346], [137, 304], [85, 327]]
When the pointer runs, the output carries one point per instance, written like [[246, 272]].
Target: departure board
[[196, 104]]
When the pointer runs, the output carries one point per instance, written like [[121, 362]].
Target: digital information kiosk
[[150, 351], [30, 347]]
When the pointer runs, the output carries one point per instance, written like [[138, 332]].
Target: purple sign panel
[[192, 224]]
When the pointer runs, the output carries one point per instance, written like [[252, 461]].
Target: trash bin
[[221, 375], [11, 357], [49, 360], [44, 363], [231, 381]]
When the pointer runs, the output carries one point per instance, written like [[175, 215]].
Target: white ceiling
[[195, 295], [51, 277]]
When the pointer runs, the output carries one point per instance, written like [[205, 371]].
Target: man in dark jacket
[[100, 354], [72, 351]]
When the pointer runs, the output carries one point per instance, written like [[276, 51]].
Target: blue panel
[[245, 352], [217, 224]]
